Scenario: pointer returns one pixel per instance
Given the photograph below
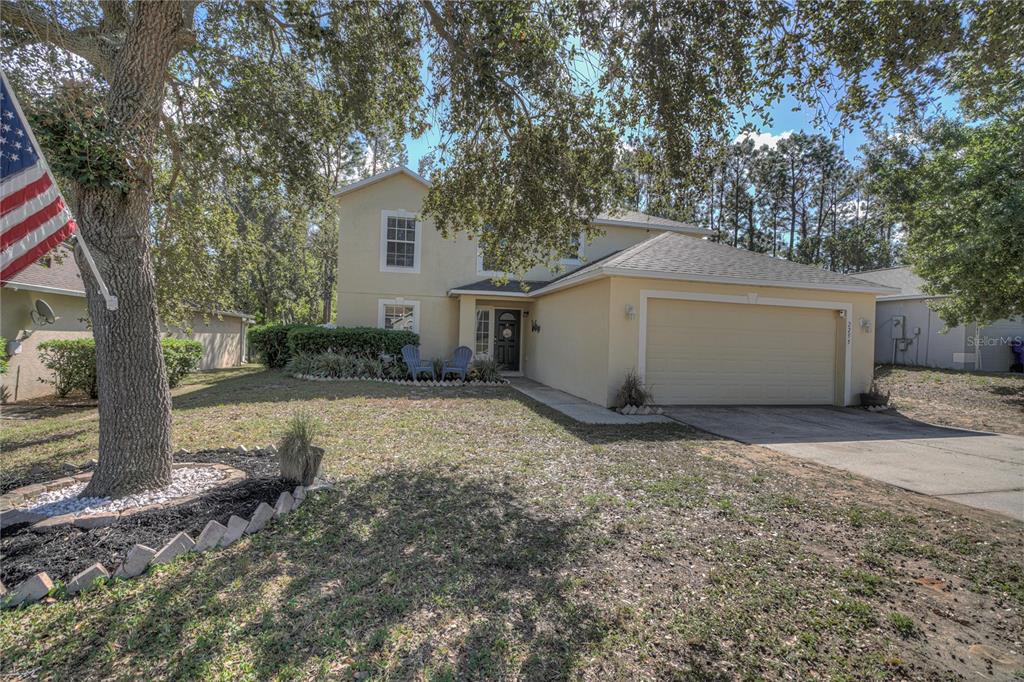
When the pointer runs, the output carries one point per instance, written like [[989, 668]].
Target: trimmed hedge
[[181, 358], [367, 342], [73, 363], [269, 343]]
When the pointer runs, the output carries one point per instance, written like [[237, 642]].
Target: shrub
[[3, 355], [366, 342], [181, 358], [299, 458], [369, 367], [73, 363], [334, 365], [633, 391], [394, 368], [484, 369], [303, 363], [269, 343]]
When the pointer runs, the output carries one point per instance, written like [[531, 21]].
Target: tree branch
[[86, 42], [115, 15]]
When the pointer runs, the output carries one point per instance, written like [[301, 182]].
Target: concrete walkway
[[982, 470], [577, 408]]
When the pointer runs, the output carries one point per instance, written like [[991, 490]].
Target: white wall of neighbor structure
[[932, 345]]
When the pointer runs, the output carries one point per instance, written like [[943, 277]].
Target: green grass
[[474, 534], [904, 625]]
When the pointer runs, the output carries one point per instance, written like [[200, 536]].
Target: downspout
[[928, 338]]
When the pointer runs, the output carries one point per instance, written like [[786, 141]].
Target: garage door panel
[[714, 353]]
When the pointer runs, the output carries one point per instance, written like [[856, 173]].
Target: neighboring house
[[57, 281], [702, 323], [908, 332]]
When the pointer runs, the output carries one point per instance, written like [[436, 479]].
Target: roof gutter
[[912, 297], [19, 286], [489, 294], [611, 271], [680, 229]]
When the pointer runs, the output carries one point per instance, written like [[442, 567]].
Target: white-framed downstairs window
[[398, 314], [400, 242], [484, 332]]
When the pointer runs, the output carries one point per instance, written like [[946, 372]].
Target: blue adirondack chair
[[459, 364], [411, 355]]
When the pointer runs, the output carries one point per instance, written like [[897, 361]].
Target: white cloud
[[763, 139]]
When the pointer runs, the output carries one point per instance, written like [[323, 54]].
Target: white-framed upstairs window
[[399, 314], [400, 242], [483, 265], [575, 254], [484, 332], [485, 269]]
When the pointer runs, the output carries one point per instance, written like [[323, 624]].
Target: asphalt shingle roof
[[512, 286], [59, 275], [682, 257], [63, 273]]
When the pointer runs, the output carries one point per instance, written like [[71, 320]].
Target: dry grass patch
[[477, 535], [968, 400]]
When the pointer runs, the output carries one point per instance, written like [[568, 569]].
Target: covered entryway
[[717, 353]]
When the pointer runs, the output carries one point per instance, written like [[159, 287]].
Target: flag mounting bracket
[[108, 297]]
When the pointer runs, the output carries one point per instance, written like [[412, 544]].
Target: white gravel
[[66, 501]]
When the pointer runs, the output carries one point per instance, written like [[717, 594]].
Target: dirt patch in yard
[[967, 400], [66, 551]]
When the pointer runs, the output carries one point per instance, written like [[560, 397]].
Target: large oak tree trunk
[[135, 402]]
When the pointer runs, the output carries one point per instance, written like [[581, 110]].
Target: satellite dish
[[43, 314]]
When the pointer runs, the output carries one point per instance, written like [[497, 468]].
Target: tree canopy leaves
[[959, 191], [536, 102]]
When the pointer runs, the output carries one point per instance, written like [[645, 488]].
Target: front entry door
[[506, 339]]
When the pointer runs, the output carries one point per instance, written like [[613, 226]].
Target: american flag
[[33, 217]]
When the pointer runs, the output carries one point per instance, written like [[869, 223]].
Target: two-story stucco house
[[702, 323]]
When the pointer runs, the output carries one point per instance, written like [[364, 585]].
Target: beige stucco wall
[[445, 264], [24, 369], [624, 340], [223, 339], [570, 352]]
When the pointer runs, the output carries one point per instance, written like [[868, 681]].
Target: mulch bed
[[65, 552]]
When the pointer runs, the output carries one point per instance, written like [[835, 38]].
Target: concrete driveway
[[983, 470]]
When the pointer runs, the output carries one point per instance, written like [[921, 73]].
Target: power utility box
[[899, 324]]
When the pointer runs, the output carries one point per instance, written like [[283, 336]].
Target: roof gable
[[374, 179]]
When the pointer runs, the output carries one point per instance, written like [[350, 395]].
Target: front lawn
[[968, 400], [475, 534]]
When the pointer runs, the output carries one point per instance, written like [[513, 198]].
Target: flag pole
[[108, 298]]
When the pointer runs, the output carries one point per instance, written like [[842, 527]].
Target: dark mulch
[[66, 552]]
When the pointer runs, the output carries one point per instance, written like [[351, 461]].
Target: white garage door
[[731, 354]]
